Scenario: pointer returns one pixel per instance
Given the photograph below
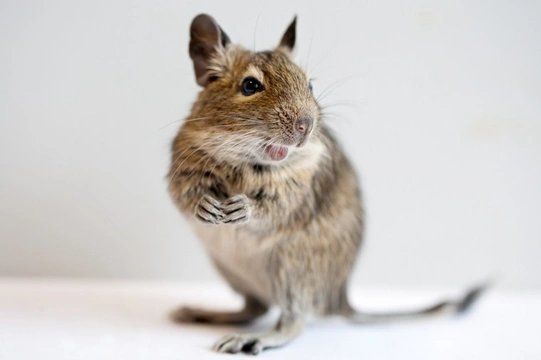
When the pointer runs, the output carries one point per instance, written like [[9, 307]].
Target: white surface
[[445, 128], [58, 320]]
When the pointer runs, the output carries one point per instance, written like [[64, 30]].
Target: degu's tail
[[445, 307]]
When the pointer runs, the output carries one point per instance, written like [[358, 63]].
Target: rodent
[[269, 191]]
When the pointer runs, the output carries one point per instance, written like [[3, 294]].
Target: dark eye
[[250, 86], [310, 86]]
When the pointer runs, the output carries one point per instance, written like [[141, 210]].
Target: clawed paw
[[234, 343], [234, 210], [209, 210]]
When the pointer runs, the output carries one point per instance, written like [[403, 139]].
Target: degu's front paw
[[235, 210], [209, 210]]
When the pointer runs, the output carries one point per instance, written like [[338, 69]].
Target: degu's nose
[[304, 125]]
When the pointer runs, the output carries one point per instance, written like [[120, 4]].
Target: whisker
[[335, 84], [256, 23], [245, 121], [233, 139], [347, 104], [310, 43], [313, 70], [180, 155]]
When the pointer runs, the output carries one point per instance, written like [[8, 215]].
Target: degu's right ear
[[206, 39]]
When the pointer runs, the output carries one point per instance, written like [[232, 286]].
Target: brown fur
[[294, 226]]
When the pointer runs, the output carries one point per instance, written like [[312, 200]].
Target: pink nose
[[304, 125]]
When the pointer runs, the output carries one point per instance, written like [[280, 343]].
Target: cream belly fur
[[239, 256]]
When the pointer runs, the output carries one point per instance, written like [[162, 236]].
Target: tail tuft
[[471, 297]]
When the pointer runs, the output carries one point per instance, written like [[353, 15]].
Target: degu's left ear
[[206, 39], [288, 39]]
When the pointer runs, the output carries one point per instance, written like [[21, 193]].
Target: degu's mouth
[[276, 152]]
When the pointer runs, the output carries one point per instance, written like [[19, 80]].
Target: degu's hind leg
[[444, 307], [288, 327], [252, 309]]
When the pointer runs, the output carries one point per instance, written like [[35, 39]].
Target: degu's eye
[[250, 86], [310, 86]]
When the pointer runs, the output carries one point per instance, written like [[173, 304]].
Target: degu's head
[[254, 104]]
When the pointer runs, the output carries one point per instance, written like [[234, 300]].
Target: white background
[[438, 103]]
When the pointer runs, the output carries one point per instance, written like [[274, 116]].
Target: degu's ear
[[288, 39], [206, 38]]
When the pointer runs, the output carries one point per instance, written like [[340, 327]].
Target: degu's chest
[[240, 256]]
